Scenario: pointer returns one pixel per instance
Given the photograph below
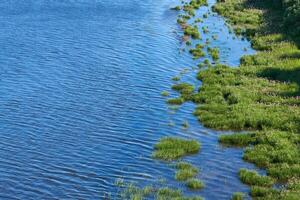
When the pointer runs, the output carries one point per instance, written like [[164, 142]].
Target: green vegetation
[[177, 8], [238, 196], [192, 31], [261, 96], [175, 101], [197, 52], [253, 178], [194, 184], [173, 148], [214, 52], [176, 78], [132, 192], [165, 93], [186, 173]]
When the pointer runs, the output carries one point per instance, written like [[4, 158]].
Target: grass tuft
[[173, 148]]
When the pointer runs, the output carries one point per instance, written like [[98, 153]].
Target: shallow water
[[80, 103]]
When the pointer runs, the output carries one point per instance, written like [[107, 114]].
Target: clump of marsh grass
[[192, 31], [185, 171], [177, 8], [175, 101], [176, 78], [185, 174], [251, 177], [173, 148], [237, 139], [194, 184], [214, 52], [165, 93], [238, 196], [197, 53]]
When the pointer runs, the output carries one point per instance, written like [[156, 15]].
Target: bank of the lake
[[261, 96]]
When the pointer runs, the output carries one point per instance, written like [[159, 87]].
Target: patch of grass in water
[[194, 184], [173, 148], [238, 196], [175, 101], [185, 174], [192, 31], [165, 93], [214, 52]]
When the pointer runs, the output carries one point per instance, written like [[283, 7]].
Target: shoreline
[[261, 97]]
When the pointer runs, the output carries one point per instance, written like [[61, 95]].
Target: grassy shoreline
[[261, 96]]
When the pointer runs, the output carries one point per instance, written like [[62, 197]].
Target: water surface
[[80, 103]]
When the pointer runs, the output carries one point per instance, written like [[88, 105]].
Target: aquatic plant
[[197, 53], [237, 139], [165, 93], [185, 174], [251, 177], [192, 31], [262, 96], [176, 101], [214, 52], [238, 196], [177, 8], [173, 148], [194, 184]]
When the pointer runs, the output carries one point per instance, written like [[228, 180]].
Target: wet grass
[[192, 31], [175, 101], [194, 184], [197, 52], [261, 96], [238, 196], [251, 177], [214, 53], [165, 93], [173, 148], [132, 192], [186, 173]]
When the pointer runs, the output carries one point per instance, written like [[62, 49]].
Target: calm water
[[80, 103]]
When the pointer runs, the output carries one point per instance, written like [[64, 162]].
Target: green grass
[[214, 53], [165, 93], [251, 177], [185, 171], [238, 196], [192, 31], [260, 96], [194, 184], [132, 192], [173, 148], [185, 174], [237, 139], [175, 101]]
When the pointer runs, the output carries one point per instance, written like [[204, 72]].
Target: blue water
[[80, 103]]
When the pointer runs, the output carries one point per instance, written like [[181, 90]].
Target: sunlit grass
[[172, 148]]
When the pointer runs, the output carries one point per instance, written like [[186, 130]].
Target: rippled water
[[80, 103]]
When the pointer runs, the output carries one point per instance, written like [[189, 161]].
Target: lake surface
[[80, 102]]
